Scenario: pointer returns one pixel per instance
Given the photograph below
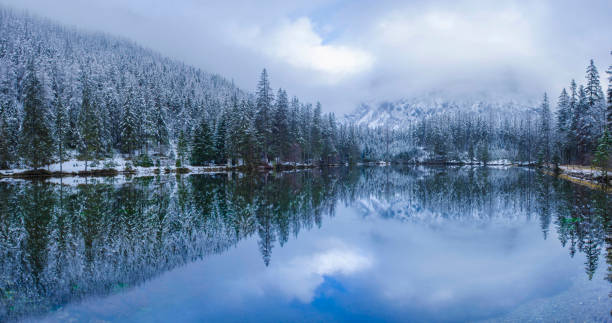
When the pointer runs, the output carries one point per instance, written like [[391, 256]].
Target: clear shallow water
[[370, 244]]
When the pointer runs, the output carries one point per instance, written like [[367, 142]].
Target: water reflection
[[60, 244]]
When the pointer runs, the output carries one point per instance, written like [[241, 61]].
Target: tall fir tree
[[129, 130], [280, 126], [583, 125], [182, 148], [5, 152], [328, 149], [563, 112], [36, 134], [595, 100], [89, 125], [544, 131], [574, 122], [609, 107], [221, 138], [263, 118], [563, 125], [316, 136], [61, 121], [160, 128], [202, 147], [295, 131]]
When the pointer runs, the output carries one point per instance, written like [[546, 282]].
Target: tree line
[[69, 94], [578, 132]]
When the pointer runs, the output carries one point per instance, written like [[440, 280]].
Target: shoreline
[[145, 171], [582, 175], [41, 174]]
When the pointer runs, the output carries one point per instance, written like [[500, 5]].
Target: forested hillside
[[68, 94]]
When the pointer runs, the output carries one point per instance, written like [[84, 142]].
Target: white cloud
[[300, 276], [299, 45]]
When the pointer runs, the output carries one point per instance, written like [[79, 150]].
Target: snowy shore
[[123, 167], [591, 175]]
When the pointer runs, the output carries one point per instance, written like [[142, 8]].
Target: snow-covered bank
[[118, 166], [586, 173], [583, 175]]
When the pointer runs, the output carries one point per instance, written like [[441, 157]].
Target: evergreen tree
[[5, 153], [129, 131], [263, 118], [182, 147], [61, 123], [160, 129], [595, 100], [329, 134], [36, 134], [316, 133], [89, 126], [609, 108], [545, 130], [243, 140], [306, 131], [563, 124], [602, 154], [583, 124], [574, 122], [295, 133], [202, 147], [483, 151], [221, 138], [280, 126]]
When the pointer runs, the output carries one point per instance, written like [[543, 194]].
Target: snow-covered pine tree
[[583, 125], [160, 128], [182, 147], [306, 131], [89, 126], [9, 107], [609, 107], [60, 118], [544, 130], [129, 131], [280, 127], [263, 117], [295, 133], [36, 135], [563, 125], [316, 132], [221, 137], [144, 122], [595, 100], [5, 152], [574, 122], [247, 136], [328, 134], [202, 146]]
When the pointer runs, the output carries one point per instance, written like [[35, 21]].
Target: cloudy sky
[[345, 52]]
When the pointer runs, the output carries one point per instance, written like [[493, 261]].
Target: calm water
[[368, 244]]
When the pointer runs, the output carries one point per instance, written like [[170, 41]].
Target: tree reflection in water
[[60, 243]]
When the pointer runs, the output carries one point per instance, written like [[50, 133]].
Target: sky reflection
[[358, 268]]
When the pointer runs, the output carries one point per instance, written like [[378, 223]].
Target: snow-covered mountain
[[399, 113]]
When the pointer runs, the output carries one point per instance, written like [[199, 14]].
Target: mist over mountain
[[399, 114]]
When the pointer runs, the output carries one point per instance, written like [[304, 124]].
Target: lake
[[411, 244]]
